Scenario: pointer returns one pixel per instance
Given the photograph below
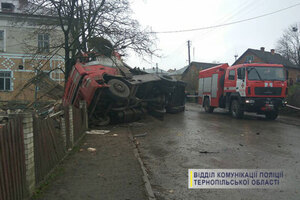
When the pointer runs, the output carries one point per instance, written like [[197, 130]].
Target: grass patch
[[58, 171]]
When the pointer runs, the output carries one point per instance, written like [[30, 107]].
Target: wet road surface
[[198, 140]]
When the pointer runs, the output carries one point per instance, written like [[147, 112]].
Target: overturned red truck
[[115, 92], [253, 87]]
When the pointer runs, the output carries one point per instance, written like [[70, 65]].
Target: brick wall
[[191, 78]]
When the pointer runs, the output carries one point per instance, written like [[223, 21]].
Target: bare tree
[[289, 45], [82, 20]]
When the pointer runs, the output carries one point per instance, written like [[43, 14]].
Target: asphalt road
[[198, 140]]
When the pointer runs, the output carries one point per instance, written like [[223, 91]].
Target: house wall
[[256, 59], [21, 42], [191, 78], [294, 75]]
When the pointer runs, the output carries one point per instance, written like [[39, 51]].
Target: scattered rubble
[[141, 135], [97, 132], [91, 149]]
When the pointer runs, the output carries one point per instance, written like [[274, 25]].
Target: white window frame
[[4, 39], [43, 49], [11, 81]]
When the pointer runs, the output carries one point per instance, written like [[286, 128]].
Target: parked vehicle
[[253, 87], [115, 92]]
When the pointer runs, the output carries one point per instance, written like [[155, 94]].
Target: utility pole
[[189, 51]]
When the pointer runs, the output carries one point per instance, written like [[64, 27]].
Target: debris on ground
[[81, 150], [141, 135], [90, 149], [209, 152], [115, 135], [97, 132]]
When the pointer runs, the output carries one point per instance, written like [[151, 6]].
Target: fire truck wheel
[[118, 88], [272, 115], [207, 106], [236, 109]]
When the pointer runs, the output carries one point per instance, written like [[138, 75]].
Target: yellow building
[[26, 48]]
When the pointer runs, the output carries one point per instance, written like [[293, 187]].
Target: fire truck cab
[[251, 87]]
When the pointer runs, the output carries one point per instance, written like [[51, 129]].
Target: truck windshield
[[266, 73]]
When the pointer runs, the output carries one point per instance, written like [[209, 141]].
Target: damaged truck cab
[[253, 87], [114, 92]]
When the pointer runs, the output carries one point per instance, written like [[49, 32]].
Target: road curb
[[148, 187]]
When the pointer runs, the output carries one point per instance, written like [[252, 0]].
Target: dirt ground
[[112, 172]]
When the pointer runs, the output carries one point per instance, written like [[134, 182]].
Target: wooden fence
[[31, 147], [49, 146], [12, 160], [79, 119]]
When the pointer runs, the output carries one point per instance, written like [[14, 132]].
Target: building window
[[43, 43], [8, 7], [57, 75], [249, 59], [2, 41], [5, 81]]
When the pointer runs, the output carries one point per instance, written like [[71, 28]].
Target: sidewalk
[[112, 172]]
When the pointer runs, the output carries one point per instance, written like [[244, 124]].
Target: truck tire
[[118, 89], [236, 109], [272, 115], [207, 106]]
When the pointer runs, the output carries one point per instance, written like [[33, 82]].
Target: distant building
[[178, 73], [270, 57], [190, 73], [26, 47], [155, 70]]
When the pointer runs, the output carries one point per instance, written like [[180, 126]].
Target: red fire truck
[[251, 87]]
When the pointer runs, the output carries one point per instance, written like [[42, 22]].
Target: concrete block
[[27, 130], [27, 146]]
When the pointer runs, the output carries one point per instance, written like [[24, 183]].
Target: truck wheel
[[236, 109], [118, 88], [207, 106], [272, 115]]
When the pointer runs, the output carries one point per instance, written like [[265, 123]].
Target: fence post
[[63, 131], [84, 107], [71, 126], [29, 152]]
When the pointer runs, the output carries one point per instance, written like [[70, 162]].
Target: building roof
[[155, 70], [179, 71], [198, 65], [269, 58], [201, 65]]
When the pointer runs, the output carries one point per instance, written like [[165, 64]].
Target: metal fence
[[12, 160]]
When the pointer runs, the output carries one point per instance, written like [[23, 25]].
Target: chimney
[[272, 51], [262, 49]]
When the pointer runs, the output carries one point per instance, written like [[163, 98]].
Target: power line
[[229, 23]]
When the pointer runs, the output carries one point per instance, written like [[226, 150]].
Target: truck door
[[241, 82], [230, 81]]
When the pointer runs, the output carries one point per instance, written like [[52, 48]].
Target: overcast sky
[[218, 44]]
